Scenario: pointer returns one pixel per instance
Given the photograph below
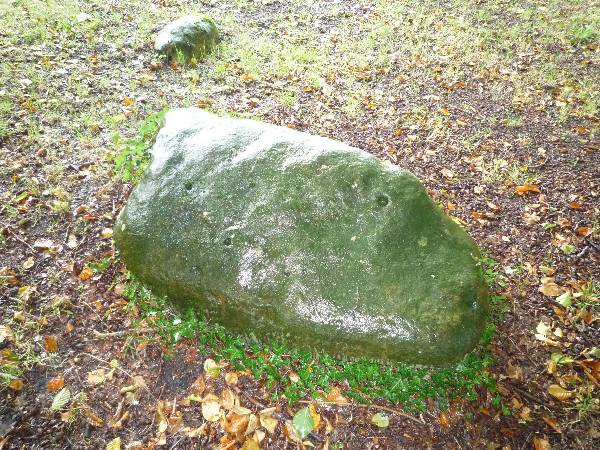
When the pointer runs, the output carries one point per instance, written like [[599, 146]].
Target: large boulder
[[287, 236], [187, 37]]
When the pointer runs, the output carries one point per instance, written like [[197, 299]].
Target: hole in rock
[[227, 241], [383, 200], [188, 186]]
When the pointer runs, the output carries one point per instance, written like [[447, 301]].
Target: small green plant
[[132, 154], [584, 35], [367, 379]]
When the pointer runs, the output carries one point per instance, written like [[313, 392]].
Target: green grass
[[132, 155], [368, 380]]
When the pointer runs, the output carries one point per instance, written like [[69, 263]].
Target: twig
[[360, 405], [13, 234], [250, 399], [121, 333]]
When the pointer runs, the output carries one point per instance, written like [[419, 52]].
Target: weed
[[132, 154], [367, 379], [584, 35]]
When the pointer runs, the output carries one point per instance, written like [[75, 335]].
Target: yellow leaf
[[250, 444], [559, 392], [106, 233], [86, 274], [231, 378], [127, 101], [96, 377], [115, 444], [16, 384]]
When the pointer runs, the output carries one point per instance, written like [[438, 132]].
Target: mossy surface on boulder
[[302, 239], [187, 37]]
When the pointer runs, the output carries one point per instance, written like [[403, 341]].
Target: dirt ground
[[494, 105]]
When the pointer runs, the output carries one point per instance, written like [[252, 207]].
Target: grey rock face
[[189, 36], [303, 239]]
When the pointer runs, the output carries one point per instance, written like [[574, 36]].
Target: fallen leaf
[[303, 422], [315, 416], [541, 444], [198, 386], [231, 378], [43, 244], [581, 130], [250, 444], [443, 420], [334, 395], [583, 231], [559, 392], [6, 334], [267, 421], [575, 205], [16, 384], [527, 188], [96, 377], [211, 410], [28, 263], [552, 423], [86, 274], [381, 420], [211, 368], [444, 111], [55, 383], [61, 399], [549, 288], [127, 101], [106, 233], [246, 77], [235, 423], [447, 173], [51, 344], [115, 444]]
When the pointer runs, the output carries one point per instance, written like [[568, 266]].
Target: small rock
[[187, 37]]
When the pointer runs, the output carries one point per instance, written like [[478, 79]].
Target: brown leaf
[[541, 444], [198, 386], [526, 188], [51, 344], [336, 396], [549, 288], [16, 384], [235, 423], [583, 231], [581, 130], [55, 383], [559, 392], [8, 275], [575, 205], [246, 77], [443, 419], [552, 423]]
